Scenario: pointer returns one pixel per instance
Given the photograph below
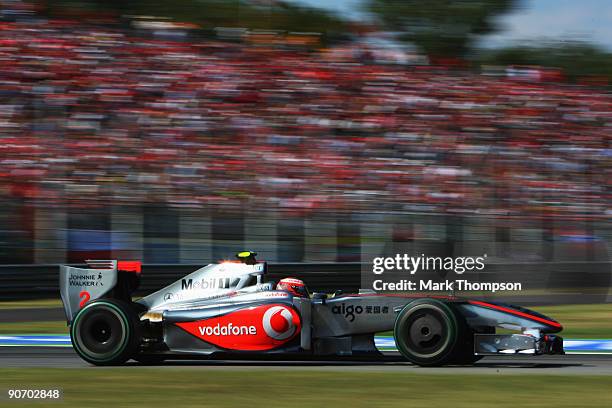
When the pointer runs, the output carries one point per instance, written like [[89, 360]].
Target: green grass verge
[[53, 327], [30, 304], [582, 321], [225, 387]]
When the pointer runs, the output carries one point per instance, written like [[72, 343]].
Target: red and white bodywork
[[228, 308]]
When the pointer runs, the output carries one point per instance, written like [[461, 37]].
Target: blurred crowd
[[92, 115]]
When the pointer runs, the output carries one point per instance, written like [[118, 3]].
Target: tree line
[[437, 28]]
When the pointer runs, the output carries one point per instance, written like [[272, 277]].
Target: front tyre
[[105, 332], [426, 332]]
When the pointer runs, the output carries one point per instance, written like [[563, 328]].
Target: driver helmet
[[296, 287]]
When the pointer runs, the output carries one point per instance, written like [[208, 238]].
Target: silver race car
[[228, 309]]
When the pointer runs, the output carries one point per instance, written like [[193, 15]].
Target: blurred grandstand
[[121, 140]]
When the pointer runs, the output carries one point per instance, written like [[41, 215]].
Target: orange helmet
[[296, 287]]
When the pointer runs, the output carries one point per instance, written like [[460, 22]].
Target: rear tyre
[[105, 332], [426, 332]]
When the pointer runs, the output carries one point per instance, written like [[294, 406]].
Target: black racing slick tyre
[[105, 332], [427, 333]]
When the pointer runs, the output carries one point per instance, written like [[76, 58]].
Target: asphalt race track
[[65, 357]]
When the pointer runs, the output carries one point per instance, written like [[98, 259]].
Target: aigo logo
[[348, 311], [261, 327]]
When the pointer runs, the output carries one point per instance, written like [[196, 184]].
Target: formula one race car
[[228, 308]]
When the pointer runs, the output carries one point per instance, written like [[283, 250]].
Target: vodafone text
[[227, 330]]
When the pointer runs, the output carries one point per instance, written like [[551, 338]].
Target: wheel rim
[[101, 333], [428, 331]]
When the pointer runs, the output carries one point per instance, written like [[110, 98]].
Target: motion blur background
[[182, 131]]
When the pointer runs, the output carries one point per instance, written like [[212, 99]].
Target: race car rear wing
[[102, 278]]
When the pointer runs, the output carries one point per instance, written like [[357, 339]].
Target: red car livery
[[254, 328]]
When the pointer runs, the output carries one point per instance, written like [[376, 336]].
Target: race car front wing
[[495, 344]]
